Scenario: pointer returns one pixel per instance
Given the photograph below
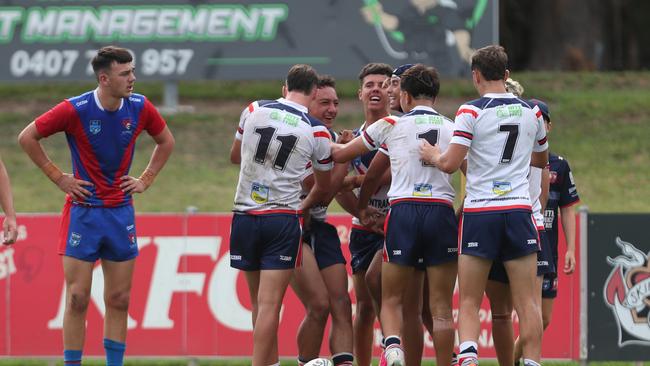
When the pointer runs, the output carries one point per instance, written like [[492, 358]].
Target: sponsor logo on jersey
[[422, 190], [531, 241], [259, 193], [95, 126], [134, 99], [472, 244], [505, 111], [627, 293], [501, 188], [81, 102], [75, 239], [428, 120], [285, 258]]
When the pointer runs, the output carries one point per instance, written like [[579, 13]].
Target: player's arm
[[235, 152], [568, 217], [374, 178], [320, 190], [539, 159], [449, 161], [349, 151], [348, 201], [29, 140], [546, 184], [164, 147], [9, 226]]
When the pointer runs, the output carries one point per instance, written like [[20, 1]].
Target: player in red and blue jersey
[[98, 221]]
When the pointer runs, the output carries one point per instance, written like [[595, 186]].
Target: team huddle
[[408, 246], [393, 175]]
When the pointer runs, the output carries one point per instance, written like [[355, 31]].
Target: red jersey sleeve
[[153, 121], [56, 119]]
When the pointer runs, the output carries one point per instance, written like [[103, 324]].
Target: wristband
[[52, 171], [147, 177]]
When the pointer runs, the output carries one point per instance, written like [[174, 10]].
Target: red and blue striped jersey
[[101, 142]]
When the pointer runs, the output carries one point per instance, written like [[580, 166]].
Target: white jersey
[[535, 191], [501, 132], [278, 139], [359, 166], [411, 178]]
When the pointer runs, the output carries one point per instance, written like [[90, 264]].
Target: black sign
[[244, 39], [619, 287]]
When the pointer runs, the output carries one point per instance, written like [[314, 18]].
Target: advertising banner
[[619, 288], [241, 40], [186, 300]]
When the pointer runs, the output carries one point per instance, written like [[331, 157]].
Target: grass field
[[600, 123]]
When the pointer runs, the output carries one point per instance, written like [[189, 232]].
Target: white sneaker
[[394, 355]]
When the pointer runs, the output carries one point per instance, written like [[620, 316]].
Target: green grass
[[600, 125]]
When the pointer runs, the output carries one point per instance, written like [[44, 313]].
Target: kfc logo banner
[[185, 300], [619, 269]]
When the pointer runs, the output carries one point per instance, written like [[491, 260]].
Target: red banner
[[186, 300]]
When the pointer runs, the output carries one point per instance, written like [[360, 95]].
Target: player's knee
[[78, 301], [340, 305], [365, 311], [318, 309], [118, 300]]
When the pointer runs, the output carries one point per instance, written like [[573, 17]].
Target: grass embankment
[[601, 125]]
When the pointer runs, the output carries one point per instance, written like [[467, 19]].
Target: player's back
[[278, 141], [411, 178], [502, 131]]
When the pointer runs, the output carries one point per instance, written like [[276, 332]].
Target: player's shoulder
[[558, 161], [81, 102], [258, 104]]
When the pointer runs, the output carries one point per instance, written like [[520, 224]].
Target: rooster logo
[[627, 293]]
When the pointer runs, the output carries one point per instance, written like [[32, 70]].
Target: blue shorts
[[363, 247], [92, 233], [502, 235], [271, 241], [421, 234], [544, 263], [323, 239]]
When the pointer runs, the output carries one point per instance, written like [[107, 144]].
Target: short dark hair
[[491, 62], [421, 81], [302, 78], [109, 54], [326, 81], [375, 68]]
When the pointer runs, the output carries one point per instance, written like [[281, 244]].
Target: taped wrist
[[52, 171], [147, 177]]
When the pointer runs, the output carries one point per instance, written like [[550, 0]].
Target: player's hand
[[74, 187], [345, 136], [132, 185], [429, 153], [368, 215], [9, 230], [378, 227], [569, 262]]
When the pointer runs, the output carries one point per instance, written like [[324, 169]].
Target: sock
[[390, 340], [468, 349], [383, 343], [114, 352], [71, 357], [302, 361], [529, 362], [343, 359]]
